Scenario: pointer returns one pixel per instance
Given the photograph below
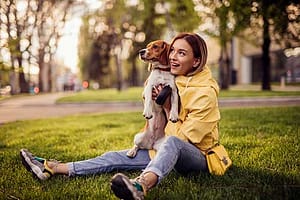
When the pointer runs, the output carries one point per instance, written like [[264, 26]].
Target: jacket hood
[[200, 79]]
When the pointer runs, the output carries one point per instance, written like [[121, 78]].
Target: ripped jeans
[[172, 154]]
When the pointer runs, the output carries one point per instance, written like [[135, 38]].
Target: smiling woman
[[187, 140]]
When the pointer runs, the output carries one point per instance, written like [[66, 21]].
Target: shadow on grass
[[237, 183]]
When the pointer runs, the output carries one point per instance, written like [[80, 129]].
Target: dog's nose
[[142, 52]]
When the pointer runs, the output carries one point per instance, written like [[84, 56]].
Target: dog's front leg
[[148, 105], [158, 143], [133, 151], [174, 105]]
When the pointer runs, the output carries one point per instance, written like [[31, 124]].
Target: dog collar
[[163, 69]]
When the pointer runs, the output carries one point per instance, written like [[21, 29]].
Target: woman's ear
[[196, 62]]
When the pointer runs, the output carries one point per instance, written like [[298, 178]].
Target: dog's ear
[[163, 59]]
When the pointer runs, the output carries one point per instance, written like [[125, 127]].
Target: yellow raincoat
[[199, 112]]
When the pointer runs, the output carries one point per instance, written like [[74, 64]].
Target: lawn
[[262, 142], [135, 94]]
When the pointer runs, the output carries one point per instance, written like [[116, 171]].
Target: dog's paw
[[147, 114], [131, 153], [173, 119]]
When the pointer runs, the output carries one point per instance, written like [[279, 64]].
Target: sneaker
[[127, 189], [37, 166]]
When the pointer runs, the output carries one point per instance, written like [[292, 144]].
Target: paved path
[[44, 106]]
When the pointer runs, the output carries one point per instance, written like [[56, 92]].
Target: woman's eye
[[181, 53]]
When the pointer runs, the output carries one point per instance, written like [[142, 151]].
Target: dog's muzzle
[[142, 54]]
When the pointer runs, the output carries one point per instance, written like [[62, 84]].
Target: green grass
[[262, 142], [249, 93], [103, 95], [135, 94]]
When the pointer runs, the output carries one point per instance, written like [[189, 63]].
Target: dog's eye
[[155, 46]]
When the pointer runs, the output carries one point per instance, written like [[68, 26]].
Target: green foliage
[[134, 24], [84, 47], [4, 74], [282, 16], [262, 142], [183, 15]]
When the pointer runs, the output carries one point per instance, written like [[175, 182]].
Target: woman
[[188, 139]]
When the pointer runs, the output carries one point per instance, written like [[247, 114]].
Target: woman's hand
[[167, 104]]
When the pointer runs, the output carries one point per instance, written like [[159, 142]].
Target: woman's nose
[[172, 56]]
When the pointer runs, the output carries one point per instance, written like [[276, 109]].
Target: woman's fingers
[[156, 90]]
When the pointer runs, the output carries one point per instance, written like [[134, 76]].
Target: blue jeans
[[173, 154]]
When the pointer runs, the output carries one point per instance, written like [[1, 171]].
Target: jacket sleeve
[[201, 114]]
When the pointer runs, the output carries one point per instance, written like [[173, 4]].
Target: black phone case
[[164, 93]]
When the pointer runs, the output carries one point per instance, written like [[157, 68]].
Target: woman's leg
[[179, 155], [108, 162], [44, 169], [173, 154]]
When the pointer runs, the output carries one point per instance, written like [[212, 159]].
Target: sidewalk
[[44, 106]]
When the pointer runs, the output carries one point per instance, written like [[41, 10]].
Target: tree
[[136, 23], [15, 23], [184, 11], [51, 17], [84, 47], [100, 40], [24, 23], [280, 22], [230, 18]]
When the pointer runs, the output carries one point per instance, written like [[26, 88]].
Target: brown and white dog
[[156, 54]]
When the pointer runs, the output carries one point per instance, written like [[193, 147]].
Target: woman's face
[[181, 58]]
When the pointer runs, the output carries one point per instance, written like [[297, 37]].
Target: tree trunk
[[266, 71], [23, 83], [224, 67], [119, 72], [24, 86], [41, 67], [13, 82], [49, 77], [134, 74]]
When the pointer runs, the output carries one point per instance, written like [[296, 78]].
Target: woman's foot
[[133, 189], [37, 166], [127, 189]]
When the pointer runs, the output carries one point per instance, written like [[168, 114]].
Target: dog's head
[[156, 51]]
